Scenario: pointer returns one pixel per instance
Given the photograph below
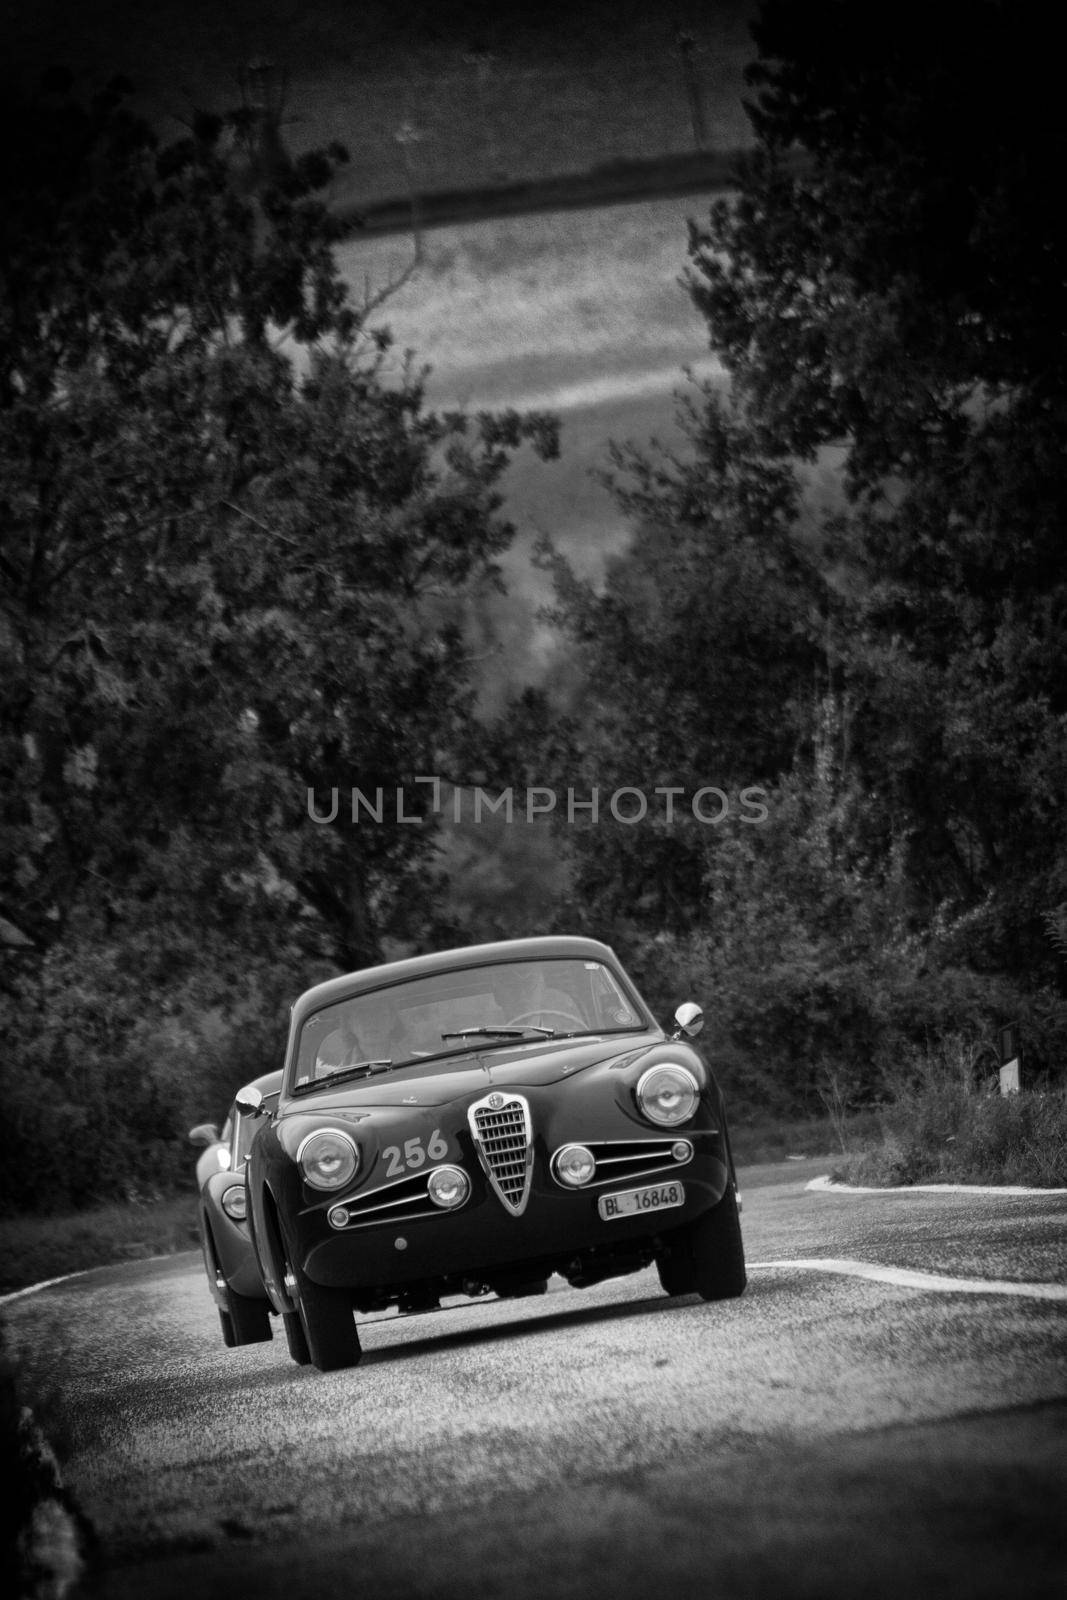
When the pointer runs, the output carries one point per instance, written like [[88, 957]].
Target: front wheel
[[707, 1257], [326, 1320]]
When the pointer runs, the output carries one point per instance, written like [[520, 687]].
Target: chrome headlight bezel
[[688, 1088], [348, 1164], [234, 1202]]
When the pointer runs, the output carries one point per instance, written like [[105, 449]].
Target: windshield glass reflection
[[480, 1007]]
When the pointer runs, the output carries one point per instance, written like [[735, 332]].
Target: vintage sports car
[[222, 1213], [477, 1120]]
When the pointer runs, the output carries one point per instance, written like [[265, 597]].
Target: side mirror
[[249, 1100], [204, 1133], [690, 1020]]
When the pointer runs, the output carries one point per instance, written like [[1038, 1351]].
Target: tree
[[236, 556], [868, 521], [236, 549], [696, 662], [899, 300]]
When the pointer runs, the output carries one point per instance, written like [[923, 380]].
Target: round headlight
[[667, 1094], [448, 1187], [235, 1202], [328, 1159], [574, 1165]]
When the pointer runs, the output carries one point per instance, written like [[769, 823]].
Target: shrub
[[946, 1123]]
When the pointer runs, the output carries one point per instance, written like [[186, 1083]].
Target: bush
[[946, 1122]]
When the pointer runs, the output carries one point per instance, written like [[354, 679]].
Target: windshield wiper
[[500, 1032], [353, 1070]]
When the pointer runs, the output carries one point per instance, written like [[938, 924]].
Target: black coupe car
[[477, 1120], [222, 1214]]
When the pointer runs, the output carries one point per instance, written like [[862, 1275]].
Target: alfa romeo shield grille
[[503, 1137]]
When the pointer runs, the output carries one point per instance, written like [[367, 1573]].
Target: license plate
[[636, 1202]]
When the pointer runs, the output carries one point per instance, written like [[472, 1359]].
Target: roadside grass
[[34, 1249], [760, 1140], [957, 1135], [946, 1122]]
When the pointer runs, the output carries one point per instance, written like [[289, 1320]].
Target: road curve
[[837, 1431]]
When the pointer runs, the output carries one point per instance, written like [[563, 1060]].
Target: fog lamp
[[574, 1165], [448, 1187]]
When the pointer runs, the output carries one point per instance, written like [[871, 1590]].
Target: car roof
[[558, 946]]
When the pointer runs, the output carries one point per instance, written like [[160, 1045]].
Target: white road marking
[[906, 1278], [826, 1182], [17, 1294]]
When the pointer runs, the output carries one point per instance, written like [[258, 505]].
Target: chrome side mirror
[[249, 1100], [690, 1020], [204, 1133]]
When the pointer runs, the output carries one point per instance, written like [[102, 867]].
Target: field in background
[[579, 312], [478, 92]]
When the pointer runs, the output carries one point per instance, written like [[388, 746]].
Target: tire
[[707, 1257], [326, 1320], [249, 1319], [294, 1338], [675, 1275]]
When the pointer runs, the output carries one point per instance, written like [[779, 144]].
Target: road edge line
[[911, 1278], [827, 1184]]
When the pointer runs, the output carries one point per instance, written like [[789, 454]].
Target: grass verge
[[34, 1249], [952, 1132]]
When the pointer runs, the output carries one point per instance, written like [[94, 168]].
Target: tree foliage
[[884, 292], [236, 553], [900, 300]]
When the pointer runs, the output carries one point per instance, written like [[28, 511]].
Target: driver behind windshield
[[524, 995]]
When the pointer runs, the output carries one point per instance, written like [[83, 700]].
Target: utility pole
[[687, 49]]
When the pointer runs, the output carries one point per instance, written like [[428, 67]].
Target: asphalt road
[[830, 1434]]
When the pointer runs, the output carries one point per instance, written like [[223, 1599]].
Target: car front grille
[[503, 1138]]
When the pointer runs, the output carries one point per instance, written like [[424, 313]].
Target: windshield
[[497, 1004]]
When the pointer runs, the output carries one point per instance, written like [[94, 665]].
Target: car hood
[[513, 1066]]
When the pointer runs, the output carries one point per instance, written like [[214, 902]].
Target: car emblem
[[495, 1101]]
